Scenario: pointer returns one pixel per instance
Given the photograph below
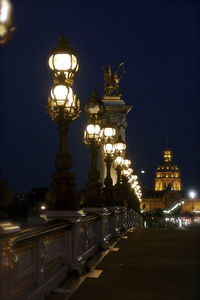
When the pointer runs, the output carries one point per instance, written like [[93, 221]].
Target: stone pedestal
[[116, 111]]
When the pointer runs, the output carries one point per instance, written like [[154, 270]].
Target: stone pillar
[[116, 111]]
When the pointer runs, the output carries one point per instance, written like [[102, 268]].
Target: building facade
[[167, 174], [168, 189], [167, 185]]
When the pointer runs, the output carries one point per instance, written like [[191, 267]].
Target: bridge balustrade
[[36, 260]]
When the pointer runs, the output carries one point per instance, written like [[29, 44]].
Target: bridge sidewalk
[[147, 264]]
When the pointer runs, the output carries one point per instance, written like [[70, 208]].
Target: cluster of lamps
[[124, 165], [113, 149], [64, 107], [63, 103]]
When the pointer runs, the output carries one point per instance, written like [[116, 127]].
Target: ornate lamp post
[[63, 107], [118, 163], [192, 195], [108, 134], [92, 137], [126, 171], [120, 148], [125, 186], [6, 28], [109, 154]]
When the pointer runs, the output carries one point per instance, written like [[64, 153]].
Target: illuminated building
[[167, 188], [167, 174]]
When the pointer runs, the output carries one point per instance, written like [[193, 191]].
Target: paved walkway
[[147, 264]]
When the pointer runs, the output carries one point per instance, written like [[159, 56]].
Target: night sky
[[159, 43]]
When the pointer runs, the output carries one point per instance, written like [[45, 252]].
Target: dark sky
[[159, 42]]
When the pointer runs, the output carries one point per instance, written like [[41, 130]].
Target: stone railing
[[35, 261]]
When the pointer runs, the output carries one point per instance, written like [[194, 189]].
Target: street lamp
[[120, 148], [108, 132], [92, 137], [192, 195], [127, 163], [63, 107], [109, 153], [63, 60], [118, 162], [108, 135], [6, 28]]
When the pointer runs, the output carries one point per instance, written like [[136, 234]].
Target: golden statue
[[112, 79]]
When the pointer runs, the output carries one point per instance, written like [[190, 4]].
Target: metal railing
[[35, 261]]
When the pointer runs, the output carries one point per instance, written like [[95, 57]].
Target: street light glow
[[192, 194], [93, 129], [108, 148], [109, 132], [63, 62]]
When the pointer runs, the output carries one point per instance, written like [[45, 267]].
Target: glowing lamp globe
[[63, 99], [59, 94], [108, 148], [125, 173], [63, 95], [119, 161], [93, 129], [120, 146], [63, 59], [92, 132], [130, 171], [127, 163], [108, 132]]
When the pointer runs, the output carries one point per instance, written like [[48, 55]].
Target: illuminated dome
[[167, 174]]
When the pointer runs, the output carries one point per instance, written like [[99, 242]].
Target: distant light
[[192, 194], [143, 171], [43, 207]]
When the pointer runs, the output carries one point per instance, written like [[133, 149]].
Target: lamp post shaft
[[118, 169], [63, 194], [94, 172], [94, 196], [108, 180], [108, 189], [63, 131], [63, 159]]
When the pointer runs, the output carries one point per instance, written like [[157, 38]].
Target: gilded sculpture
[[112, 79]]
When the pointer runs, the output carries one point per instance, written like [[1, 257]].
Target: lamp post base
[[63, 195]]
